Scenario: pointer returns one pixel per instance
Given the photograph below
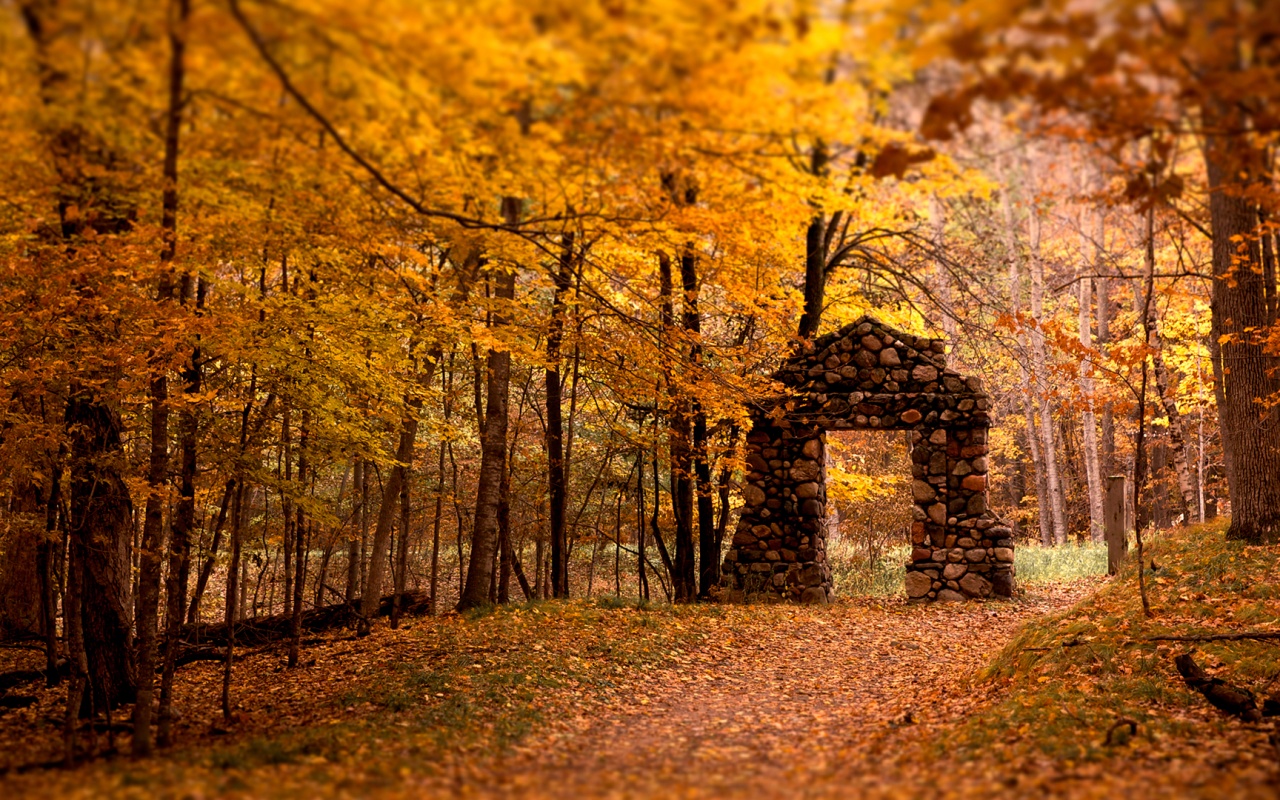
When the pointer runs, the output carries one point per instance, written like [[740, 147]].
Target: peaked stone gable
[[868, 376]]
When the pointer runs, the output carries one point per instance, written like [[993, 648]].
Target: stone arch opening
[[868, 376]]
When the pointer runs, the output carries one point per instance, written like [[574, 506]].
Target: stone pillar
[[959, 549], [779, 546]]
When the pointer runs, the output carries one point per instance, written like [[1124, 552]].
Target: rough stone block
[[918, 584], [975, 585], [814, 596]]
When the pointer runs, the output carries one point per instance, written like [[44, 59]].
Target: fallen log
[[1234, 700], [262, 630]]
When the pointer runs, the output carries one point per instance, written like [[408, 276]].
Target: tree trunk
[[1040, 372], [708, 553], [379, 552], [1185, 500], [815, 257], [484, 538], [148, 598], [100, 534], [233, 595], [1088, 422], [642, 580], [358, 493], [402, 552], [180, 534], [555, 427], [211, 558], [19, 572], [1044, 516], [300, 541], [1246, 376], [47, 553], [683, 576], [158, 478]]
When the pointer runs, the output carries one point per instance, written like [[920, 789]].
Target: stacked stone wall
[[868, 376]]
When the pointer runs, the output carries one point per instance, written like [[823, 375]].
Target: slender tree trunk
[[358, 494], [815, 256], [211, 558], [663, 552], [642, 580], [180, 534], [504, 539], [286, 497], [379, 552], [555, 427], [157, 478], [148, 597], [708, 554], [46, 554], [1185, 500], [233, 595], [1041, 373], [78, 686], [1088, 421], [300, 542], [402, 552], [683, 575], [1044, 514]]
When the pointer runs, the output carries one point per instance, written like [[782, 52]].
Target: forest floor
[[864, 698]]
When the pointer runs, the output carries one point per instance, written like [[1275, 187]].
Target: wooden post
[[1113, 519]]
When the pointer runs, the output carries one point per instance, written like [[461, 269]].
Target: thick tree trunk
[[19, 573], [100, 532], [493, 461], [1247, 378]]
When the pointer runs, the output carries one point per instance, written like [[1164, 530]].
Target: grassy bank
[[1072, 679]]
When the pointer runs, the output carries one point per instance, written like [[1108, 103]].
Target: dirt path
[[828, 702]]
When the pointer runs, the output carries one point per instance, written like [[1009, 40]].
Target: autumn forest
[[604, 399]]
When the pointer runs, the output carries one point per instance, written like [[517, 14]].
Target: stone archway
[[867, 376]]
